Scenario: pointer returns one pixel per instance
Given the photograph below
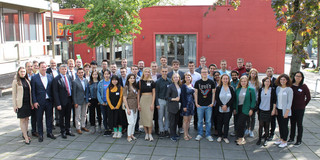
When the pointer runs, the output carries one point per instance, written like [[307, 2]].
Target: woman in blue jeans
[[102, 98]]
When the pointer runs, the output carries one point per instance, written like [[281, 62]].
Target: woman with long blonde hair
[[146, 88]]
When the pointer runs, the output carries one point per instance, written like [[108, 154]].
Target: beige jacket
[[17, 94]]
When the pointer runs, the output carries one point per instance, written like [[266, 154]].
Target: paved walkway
[[96, 146]]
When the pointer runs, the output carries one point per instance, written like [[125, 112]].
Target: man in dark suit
[[41, 85], [80, 95], [54, 72], [123, 76], [175, 69], [62, 97], [269, 73], [173, 109]]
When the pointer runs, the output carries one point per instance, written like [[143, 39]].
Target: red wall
[[250, 33], [81, 49]]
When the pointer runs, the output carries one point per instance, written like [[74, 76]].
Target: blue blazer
[[38, 90]]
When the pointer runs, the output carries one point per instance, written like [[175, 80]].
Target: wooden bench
[[4, 87]]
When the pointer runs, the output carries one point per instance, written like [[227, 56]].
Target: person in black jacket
[[267, 100], [173, 96], [225, 97], [62, 93]]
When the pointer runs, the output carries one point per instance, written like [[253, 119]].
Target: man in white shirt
[[195, 75], [154, 71]]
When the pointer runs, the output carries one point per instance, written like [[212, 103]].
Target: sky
[[199, 2]]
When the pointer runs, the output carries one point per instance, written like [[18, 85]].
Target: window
[[29, 25], [11, 25]]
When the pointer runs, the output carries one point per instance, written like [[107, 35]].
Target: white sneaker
[[219, 139], [146, 137], [282, 145], [209, 138], [119, 135], [115, 135], [226, 140], [198, 138], [251, 134], [277, 142], [150, 138]]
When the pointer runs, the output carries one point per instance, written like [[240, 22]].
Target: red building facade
[[184, 33]]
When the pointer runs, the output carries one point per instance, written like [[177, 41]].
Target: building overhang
[[30, 6]]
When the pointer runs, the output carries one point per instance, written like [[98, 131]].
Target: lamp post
[[52, 30]]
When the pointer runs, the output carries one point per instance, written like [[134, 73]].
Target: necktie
[[67, 85], [71, 75]]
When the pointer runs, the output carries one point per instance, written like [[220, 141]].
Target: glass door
[[176, 47]]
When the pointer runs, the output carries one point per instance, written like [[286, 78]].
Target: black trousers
[[296, 119], [251, 121], [137, 123], [155, 118], [273, 125], [92, 112], [223, 120], [235, 122], [173, 119], [242, 120], [180, 119], [195, 118], [46, 108], [64, 116], [283, 125], [34, 120], [214, 117]]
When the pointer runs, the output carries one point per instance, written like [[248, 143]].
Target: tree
[[108, 21], [301, 17]]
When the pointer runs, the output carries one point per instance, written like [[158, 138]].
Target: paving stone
[[311, 142], [161, 158], [138, 156], [9, 148], [165, 151], [104, 139], [166, 142], [68, 154], [99, 147], [78, 145], [301, 149], [86, 138], [207, 153], [279, 155], [142, 150], [258, 155], [58, 144], [114, 156], [188, 152], [47, 152], [306, 156], [90, 155], [234, 154], [26, 151], [120, 148], [189, 144]]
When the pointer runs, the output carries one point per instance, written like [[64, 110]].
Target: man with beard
[[240, 67], [248, 67], [234, 84]]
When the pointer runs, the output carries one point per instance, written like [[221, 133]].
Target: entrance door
[[180, 47]]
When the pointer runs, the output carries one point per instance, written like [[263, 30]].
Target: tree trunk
[[297, 52], [112, 50]]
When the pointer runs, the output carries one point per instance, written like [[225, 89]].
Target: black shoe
[[161, 135], [35, 134], [258, 142], [297, 144], [57, 125], [107, 133], [63, 135], [166, 134], [27, 143], [265, 142], [263, 136], [270, 138], [174, 139], [69, 133], [40, 138], [50, 135], [290, 141]]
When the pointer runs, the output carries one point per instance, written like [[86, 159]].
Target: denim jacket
[[93, 89], [100, 92]]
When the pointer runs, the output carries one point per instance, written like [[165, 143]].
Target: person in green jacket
[[244, 105]]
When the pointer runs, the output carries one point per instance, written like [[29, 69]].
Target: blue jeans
[[104, 116], [204, 110]]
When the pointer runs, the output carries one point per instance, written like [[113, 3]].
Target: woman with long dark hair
[[266, 103], [301, 98], [130, 93], [21, 98], [284, 104], [102, 98], [114, 110], [93, 102]]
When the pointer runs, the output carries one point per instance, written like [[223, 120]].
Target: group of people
[[160, 97]]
